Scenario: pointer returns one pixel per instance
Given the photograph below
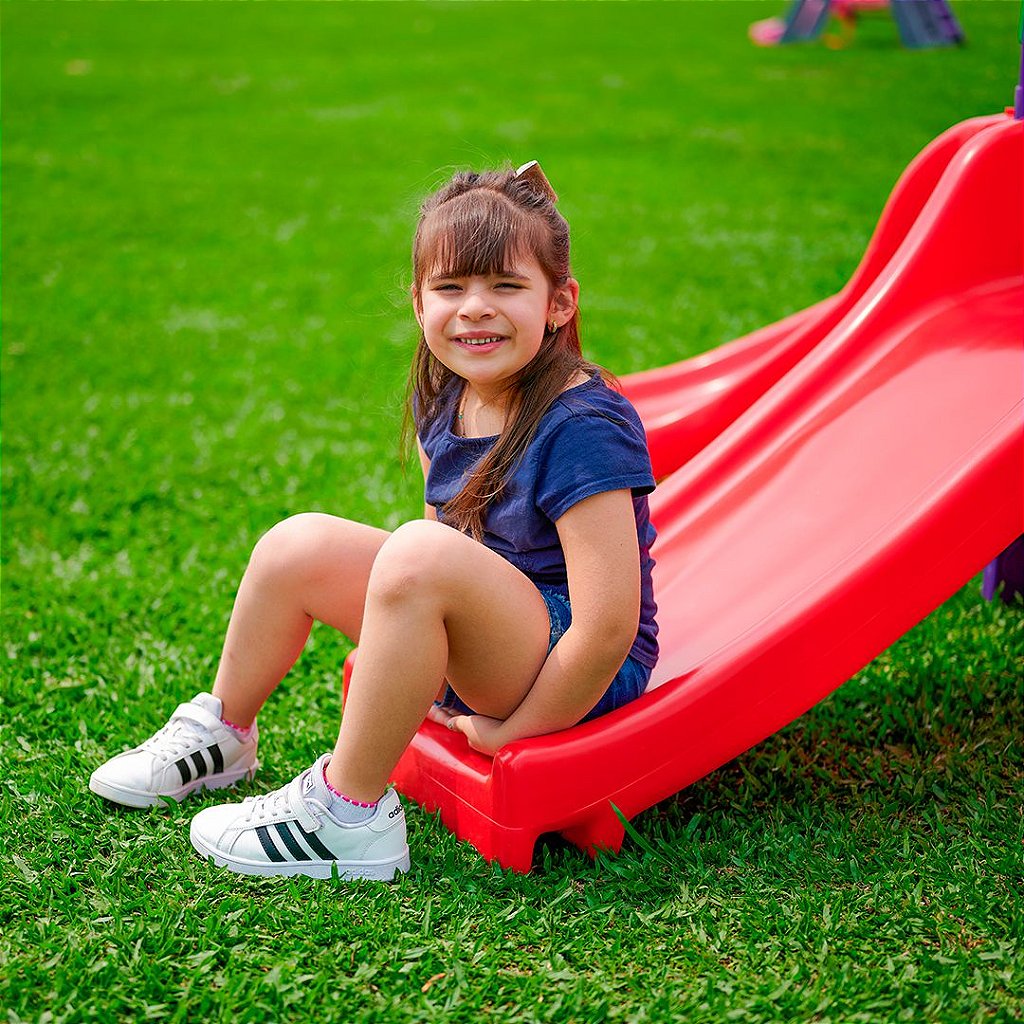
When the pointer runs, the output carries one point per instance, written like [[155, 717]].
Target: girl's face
[[487, 327]]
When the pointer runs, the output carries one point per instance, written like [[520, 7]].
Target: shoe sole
[[140, 798], [375, 870]]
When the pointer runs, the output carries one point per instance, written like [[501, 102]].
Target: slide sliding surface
[[686, 405]]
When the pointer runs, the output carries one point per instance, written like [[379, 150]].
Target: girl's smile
[[473, 341]]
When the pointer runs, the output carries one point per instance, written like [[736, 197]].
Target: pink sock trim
[[347, 799], [243, 731]]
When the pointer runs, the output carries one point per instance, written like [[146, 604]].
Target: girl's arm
[[602, 557], [429, 512]]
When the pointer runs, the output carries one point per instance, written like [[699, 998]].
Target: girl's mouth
[[480, 344]]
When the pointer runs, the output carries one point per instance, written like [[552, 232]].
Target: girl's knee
[[293, 543], [414, 561]]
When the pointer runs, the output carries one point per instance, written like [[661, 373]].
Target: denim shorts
[[630, 681]]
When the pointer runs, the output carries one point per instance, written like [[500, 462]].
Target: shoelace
[[269, 805], [175, 738]]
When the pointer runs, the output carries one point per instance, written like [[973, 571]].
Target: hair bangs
[[477, 233]]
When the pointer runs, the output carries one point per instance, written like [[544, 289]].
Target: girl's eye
[[509, 284], [446, 288]]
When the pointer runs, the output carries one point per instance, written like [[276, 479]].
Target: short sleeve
[[590, 453]]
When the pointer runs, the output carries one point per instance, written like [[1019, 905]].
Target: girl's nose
[[475, 305]]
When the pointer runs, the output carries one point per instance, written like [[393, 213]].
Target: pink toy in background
[[807, 19]]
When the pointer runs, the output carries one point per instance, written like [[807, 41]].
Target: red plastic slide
[[686, 405], [852, 498]]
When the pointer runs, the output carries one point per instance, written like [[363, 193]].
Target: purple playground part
[[1008, 569], [926, 23], [805, 20], [1018, 92], [950, 27]]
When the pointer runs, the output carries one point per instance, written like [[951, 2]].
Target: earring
[[554, 327]]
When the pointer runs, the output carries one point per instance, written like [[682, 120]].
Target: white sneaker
[[194, 750], [292, 832]]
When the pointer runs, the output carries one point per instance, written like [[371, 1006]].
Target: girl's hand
[[483, 733]]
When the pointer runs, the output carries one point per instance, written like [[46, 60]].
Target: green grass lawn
[[207, 212]]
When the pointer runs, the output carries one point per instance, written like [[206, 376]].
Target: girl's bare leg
[[311, 566], [437, 604]]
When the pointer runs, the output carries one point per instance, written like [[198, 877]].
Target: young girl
[[520, 605]]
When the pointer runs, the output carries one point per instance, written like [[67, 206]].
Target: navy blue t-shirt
[[590, 440]]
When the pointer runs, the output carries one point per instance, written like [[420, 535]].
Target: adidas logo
[[196, 765], [292, 848]]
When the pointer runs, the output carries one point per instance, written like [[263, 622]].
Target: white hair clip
[[532, 173]]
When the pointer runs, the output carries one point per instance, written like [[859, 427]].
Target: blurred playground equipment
[[921, 23]]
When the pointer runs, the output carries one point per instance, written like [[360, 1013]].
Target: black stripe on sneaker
[[314, 844], [200, 762], [291, 842], [218, 758], [186, 773], [268, 845]]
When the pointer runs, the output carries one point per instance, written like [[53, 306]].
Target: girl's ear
[[565, 300], [417, 306]]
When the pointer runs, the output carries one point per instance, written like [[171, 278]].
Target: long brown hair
[[477, 224]]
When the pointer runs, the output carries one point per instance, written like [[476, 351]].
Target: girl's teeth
[[479, 341]]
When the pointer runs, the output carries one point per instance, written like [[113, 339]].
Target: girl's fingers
[[447, 719], [480, 732], [439, 715]]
